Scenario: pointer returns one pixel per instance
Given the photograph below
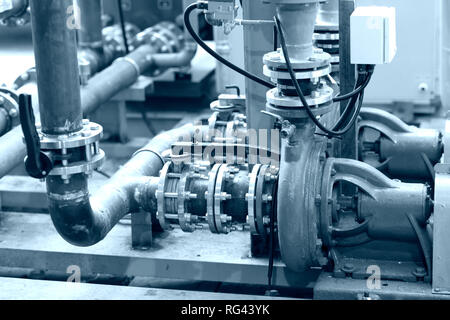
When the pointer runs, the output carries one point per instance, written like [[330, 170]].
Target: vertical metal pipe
[[329, 13], [258, 40], [298, 20], [55, 51], [90, 34], [347, 73]]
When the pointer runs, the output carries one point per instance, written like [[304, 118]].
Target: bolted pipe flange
[[91, 133], [74, 153], [315, 66], [174, 196], [310, 73], [260, 197]]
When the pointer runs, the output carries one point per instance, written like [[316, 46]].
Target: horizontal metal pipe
[[84, 221], [125, 71]]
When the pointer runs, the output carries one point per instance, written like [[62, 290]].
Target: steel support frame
[[328, 287], [174, 255]]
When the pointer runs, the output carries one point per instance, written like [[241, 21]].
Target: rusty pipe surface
[[83, 220], [90, 33]]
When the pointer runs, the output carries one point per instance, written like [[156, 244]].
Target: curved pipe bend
[[83, 220]]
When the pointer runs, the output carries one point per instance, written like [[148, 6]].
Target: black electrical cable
[[351, 94], [275, 38], [123, 26], [201, 43], [348, 110], [330, 133]]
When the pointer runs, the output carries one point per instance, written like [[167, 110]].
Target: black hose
[[123, 26], [354, 118], [343, 118], [347, 112], [201, 43], [351, 94]]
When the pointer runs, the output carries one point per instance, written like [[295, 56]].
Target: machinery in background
[[420, 93], [326, 34]]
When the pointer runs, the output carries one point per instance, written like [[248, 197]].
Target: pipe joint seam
[[132, 62], [151, 151]]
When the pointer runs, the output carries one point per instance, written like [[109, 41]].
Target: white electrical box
[[373, 35]]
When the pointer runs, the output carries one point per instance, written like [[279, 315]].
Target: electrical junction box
[[222, 10], [373, 35]]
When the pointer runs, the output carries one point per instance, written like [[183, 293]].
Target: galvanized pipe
[[55, 51]]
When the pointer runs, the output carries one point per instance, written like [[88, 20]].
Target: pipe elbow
[[71, 212], [74, 219]]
